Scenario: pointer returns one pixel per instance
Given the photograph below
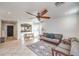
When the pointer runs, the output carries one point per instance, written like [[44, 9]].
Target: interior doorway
[[10, 31]]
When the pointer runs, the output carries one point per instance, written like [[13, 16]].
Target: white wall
[[4, 29], [68, 26], [35, 30], [77, 31], [21, 34]]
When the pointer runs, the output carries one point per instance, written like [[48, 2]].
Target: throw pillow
[[48, 35], [67, 41]]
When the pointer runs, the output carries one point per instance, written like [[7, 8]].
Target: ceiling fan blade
[[43, 12], [30, 14], [45, 17]]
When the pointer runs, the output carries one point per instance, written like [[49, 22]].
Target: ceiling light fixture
[[9, 12], [59, 3]]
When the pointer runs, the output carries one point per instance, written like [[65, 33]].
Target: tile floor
[[13, 48]]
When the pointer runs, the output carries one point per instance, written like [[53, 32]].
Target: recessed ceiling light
[[9, 12]]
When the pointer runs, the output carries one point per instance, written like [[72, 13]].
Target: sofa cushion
[[63, 50], [57, 36]]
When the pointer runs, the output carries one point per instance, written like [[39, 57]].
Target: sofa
[[65, 49], [51, 38]]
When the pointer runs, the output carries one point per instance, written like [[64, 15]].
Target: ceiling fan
[[40, 15]]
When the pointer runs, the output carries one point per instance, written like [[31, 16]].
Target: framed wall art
[[26, 28]]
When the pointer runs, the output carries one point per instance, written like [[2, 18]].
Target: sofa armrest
[[74, 47], [59, 53]]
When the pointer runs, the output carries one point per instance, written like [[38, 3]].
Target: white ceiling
[[16, 10]]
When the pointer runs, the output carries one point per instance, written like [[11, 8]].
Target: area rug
[[40, 48]]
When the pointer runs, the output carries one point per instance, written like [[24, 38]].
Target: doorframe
[[4, 25]]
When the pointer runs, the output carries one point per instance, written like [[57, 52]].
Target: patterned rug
[[41, 48]]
